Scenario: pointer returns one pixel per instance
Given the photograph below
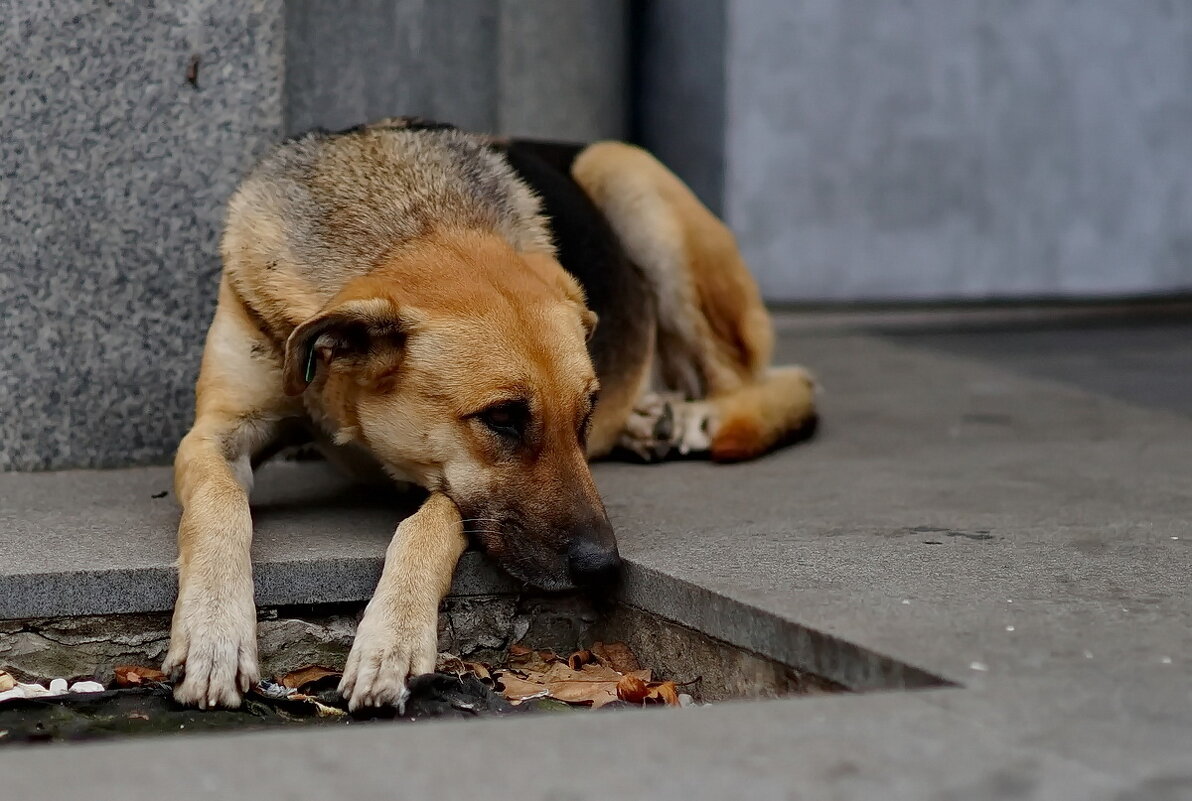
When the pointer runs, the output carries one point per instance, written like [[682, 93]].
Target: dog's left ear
[[357, 333], [589, 319]]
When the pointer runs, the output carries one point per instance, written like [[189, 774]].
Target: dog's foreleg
[[239, 402], [213, 640], [398, 635]]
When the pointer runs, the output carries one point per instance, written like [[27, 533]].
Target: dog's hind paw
[[660, 426]]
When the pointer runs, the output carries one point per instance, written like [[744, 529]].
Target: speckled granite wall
[[115, 168], [117, 156]]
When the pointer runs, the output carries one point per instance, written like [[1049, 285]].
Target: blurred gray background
[[863, 150]]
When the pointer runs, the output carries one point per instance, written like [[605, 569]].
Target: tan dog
[[421, 300]]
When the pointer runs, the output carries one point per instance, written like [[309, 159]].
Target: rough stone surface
[[562, 69], [1024, 537], [115, 169], [529, 67]]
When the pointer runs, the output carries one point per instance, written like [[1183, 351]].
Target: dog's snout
[[593, 564], [593, 560]]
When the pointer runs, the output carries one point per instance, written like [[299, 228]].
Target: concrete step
[[1023, 537]]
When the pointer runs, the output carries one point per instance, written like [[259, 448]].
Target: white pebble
[[33, 690], [979, 666], [906, 601], [1175, 538], [1166, 660], [686, 700], [1088, 654], [58, 687], [87, 687], [1009, 628]]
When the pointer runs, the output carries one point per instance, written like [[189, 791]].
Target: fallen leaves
[[300, 677], [595, 677], [136, 675]]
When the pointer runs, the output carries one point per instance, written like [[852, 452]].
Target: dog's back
[[324, 208]]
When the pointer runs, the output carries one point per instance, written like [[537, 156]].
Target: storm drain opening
[[501, 655]]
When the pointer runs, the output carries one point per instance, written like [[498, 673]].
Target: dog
[[423, 301]]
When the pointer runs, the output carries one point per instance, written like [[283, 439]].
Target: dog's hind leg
[[715, 338], [213, 645]]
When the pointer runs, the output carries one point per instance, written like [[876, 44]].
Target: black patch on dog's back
[[588, 248]]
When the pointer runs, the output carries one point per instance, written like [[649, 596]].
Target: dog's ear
[[356, 333], [547, 265], [589, 319]]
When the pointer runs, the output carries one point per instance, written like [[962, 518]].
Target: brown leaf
[[580, 658], [517, 689], [596, 693], [616, 655], [305, 675], [133, 675], [632, 689], [481, 670], [664, 693], [526, 660]]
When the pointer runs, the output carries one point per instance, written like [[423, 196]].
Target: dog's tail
[[776, 409]]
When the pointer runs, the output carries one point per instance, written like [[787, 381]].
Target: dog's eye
[[585, 425], [507, 419]]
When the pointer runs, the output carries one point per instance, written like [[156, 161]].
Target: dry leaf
[[632, 689], [517, 689], [450, 663], [134, 675], [481, 671], [525, 660], [305, 675], [616, 655], [596, 693], [580, 658], [666, 693], [324, 711], [137, 716], [7, 682]]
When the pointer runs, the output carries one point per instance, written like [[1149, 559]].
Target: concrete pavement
[[994, 516]]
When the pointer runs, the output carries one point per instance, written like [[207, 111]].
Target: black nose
[[593, 564]]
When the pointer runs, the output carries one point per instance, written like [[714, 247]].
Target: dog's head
[[463, 365]]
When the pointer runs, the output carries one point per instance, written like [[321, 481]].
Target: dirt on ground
[[140, 700]]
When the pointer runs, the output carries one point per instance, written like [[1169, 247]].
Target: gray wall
[[953, 148], [114, 170], [545, 68]]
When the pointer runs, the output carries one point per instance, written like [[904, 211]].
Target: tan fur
[[419, 272], [715, 338]]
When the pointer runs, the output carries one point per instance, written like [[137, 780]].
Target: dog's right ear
[[355, 333]]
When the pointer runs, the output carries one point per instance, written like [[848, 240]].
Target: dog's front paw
[[391, 645], [213, 650]]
